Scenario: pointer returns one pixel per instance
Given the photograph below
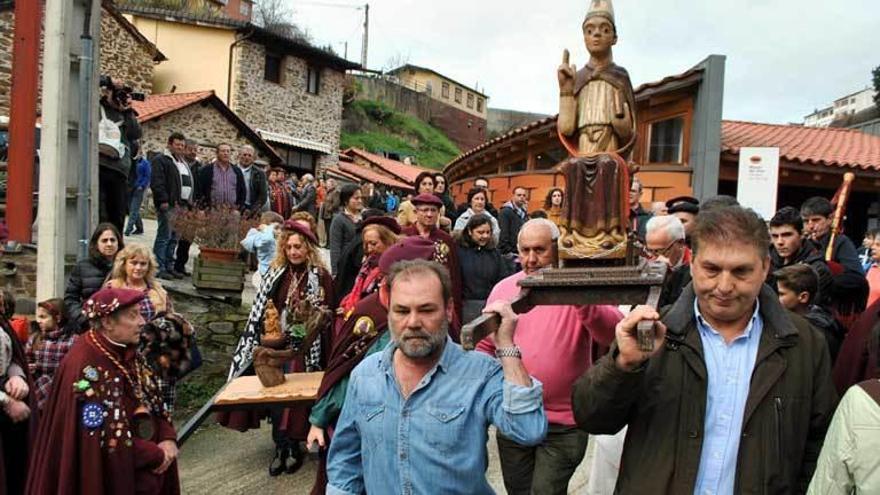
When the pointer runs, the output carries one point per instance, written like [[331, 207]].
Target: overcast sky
[[784, 57]]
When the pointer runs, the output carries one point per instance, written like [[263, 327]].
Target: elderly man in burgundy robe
[[104, 429]]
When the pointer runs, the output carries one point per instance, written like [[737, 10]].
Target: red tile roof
[[402, 171], [369, 175], [158, 105], [809, 145]]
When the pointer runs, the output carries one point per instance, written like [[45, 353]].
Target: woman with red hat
[[378, 234], [301, 289]]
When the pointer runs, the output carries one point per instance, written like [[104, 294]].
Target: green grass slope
[[376, 127]]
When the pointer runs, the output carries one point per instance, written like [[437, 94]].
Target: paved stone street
[[216, 460]]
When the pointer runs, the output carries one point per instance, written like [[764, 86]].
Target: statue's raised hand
[[566, 74]]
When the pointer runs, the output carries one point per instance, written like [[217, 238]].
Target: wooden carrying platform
[[222, 275], [247, 391]]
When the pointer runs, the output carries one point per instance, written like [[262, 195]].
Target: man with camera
[[118, 136]]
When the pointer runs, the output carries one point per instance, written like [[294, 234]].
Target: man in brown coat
[[736, 395]]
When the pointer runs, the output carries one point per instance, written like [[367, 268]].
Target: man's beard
[[418, 344]]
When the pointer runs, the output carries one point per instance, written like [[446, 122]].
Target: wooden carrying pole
[[839, 210]]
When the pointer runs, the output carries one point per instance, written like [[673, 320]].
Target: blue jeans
[[166, 242], [134, 212]]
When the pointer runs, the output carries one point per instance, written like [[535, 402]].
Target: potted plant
[[217, 231]]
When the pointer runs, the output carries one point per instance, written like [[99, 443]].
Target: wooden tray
[[247, 391]]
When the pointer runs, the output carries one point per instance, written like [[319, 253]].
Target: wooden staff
[[837, 220]]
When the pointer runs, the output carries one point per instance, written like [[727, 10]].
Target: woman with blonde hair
[[300, 288], [135, 267]]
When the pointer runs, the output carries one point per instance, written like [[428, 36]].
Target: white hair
[[308, 177], [671, 223], [543, 222]]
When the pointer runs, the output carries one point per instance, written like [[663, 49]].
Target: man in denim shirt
[[416, 414]]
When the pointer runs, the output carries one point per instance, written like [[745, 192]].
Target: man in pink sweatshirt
[[555, 342]]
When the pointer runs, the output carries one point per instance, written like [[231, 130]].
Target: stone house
[[124, 52], [289, 91], [202, 117]]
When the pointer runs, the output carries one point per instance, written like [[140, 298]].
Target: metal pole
[[85, 124], [366, 36], [23, 120]]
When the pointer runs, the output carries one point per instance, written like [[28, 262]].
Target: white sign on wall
[[758, 180]]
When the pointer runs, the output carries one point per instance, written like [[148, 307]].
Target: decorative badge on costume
[[92, 415], [364, 326]]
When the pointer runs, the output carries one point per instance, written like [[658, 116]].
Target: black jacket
[[85, 279], [789, 405], [203, 186], [307, 201], [259, 188], [480, 270], [807, 255], [509, 222], [844, 252], [131, 133], [164, 181]]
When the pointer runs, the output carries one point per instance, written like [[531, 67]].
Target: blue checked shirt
[[729, 367], [434, 441]]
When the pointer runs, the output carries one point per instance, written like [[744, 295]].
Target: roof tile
[[402, 171], [157, 105], [813, 145]]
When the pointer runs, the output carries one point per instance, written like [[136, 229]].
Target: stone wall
[[121, 55], [201, 122], [287, 108], [6, 27], [18, 273], [125, 57], [467, 131], [402, 99]]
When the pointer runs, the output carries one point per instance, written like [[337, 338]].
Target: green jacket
[[789, 406]]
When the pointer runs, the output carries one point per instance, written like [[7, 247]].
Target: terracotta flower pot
[[215, 254]]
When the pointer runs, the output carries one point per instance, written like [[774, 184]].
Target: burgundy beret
[[408, 248], [387, 222], [107, 301], [302, 229], [427, 199]]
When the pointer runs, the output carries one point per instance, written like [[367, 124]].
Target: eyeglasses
[[656, 253]]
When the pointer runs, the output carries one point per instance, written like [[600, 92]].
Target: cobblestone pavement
[[219, 461]]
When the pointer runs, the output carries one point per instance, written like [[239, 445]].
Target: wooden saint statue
[[596, 125]]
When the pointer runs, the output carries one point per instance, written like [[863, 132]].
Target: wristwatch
[[513, 352]]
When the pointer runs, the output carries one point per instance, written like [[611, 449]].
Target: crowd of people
[[761, 327]]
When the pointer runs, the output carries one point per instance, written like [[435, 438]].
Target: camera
[[120, 96]]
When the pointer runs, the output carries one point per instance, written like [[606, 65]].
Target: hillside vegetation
[[376, 127]]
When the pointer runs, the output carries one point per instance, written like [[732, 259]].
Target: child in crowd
[[49, 342], [797, 287], [261, 241]]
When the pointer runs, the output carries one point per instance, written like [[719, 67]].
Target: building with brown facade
[[685, 148], [678, 146]]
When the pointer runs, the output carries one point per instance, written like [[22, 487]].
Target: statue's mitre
[[601, 8]]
